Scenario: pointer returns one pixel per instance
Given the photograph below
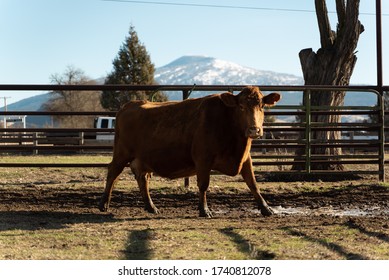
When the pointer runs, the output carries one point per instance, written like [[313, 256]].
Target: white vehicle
[[105, 122]]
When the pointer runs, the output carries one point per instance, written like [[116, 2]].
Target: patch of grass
[[56, 159], [191, 239], [384, 185]]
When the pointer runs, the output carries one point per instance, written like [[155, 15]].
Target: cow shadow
[[138, 245]]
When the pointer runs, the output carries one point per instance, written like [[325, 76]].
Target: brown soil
[[291, 200], [34, 204]]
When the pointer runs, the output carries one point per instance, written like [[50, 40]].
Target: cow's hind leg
[[114, 169], [248, 176], [142, 179], [143, 183], [203, 178]]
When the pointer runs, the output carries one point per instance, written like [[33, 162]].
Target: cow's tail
[[117, 135]]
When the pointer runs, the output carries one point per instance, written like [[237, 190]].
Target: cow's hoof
[[206, 213], [266, 211], [103, 208], [152, 210]]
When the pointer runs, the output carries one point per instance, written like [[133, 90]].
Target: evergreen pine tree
[[132, 66]]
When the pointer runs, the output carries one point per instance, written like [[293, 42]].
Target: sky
[[40, 38]]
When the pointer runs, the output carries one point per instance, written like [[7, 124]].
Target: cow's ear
[[271, 99], [229, 99]]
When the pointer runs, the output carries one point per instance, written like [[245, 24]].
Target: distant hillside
[[33, 103]]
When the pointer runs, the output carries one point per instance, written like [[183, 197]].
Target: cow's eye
[[241, 107]]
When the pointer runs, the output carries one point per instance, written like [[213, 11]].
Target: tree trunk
[[332, 64]]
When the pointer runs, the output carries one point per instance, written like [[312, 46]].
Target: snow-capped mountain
[[204, 70]]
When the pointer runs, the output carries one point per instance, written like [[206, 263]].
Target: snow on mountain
[[202, 70]]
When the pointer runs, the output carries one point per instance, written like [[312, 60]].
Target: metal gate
[[369, 150]]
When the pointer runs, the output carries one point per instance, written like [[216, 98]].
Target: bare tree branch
[[341, 12], [350, 28], [327, 36]]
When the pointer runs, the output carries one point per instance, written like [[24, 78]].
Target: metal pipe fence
[[277, 149]]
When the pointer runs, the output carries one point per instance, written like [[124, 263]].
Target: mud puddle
[[331, 211]]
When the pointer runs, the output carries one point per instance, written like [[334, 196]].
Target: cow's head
[[249, 106]]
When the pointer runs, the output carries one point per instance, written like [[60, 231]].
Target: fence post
[[35, 141], [381, 137], [185, 95], [351, 135], [308, 134], [81, 136]]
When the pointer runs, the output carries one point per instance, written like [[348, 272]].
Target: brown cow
[[192, 137]]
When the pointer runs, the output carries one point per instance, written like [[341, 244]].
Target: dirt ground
[[79, 191], [52, 199]]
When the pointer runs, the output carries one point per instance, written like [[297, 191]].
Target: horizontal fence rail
[[361, 142]]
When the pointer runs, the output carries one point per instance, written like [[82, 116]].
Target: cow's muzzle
[[254, 132]]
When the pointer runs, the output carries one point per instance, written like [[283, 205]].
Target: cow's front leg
[[114, 169], [248, 176], [203, 184]]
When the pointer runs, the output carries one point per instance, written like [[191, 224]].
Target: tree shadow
[[246, 247], [379, 235], [37, 220], [329, 245], [138, 245]]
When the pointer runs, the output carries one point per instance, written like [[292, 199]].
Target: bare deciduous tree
[[73, 101], [332, 64]]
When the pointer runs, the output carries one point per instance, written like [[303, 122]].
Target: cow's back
[[160, 135]]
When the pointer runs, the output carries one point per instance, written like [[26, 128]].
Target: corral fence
[[362, 142]]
